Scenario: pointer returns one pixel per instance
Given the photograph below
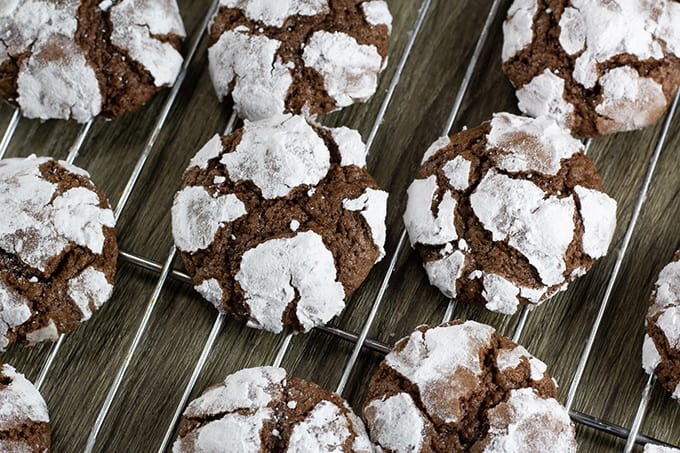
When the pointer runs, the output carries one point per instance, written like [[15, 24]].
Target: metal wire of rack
[[360, 340]]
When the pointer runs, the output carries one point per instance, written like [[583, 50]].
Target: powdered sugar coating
[[350, 70], [247, 410], [540, 227], [197, 216], [428, 361], [278, 154], [352, 148], [440, 143], [211, 291], [396, 423], [598, 212], [423, 226], [650, 355], [544, 95], [458, 172], [500, 294], [445, 272], [509, 359], [528, 423], [518, 28], [377, 13], [20, 401], [650, 448], [260, 78], [373, 207], [89, 289], [275, 12], [38, 225], [212, 149], [14, 311], [279, 272], [530, 145]]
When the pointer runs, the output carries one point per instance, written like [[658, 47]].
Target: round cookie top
[[486, 394], [279, 222], [661, 347], [508, 213], [311, 57], [24, 421], [76, 59], [596, 66], [262, 410], [58, 249]]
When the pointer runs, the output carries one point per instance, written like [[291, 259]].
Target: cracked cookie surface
[[58, 249], [508, 213], [311, 57], [263, 410], [76, 59], [24, 421], [463, 387], [661, 347], [279, 222], [596, 66]]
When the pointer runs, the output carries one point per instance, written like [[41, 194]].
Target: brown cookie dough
[[24, 421], [463, 387], [311, 57], [262, 410], [279, 222], [76, 59], [661, 348], [508, 213], [596, 66], [58, 249]]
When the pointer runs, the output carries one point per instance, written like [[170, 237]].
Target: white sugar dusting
[[211, 291], [373, 207], [14, 311], [530, 144], [46, 333], [233, 432], [527, 422], [260, 79], [541, 227], [325, 429], [274, 272], [89, 291], [650, 355], [510, 359], [445, 272], [396, 423], [134, 24], [651, 448], [518, 28], [500, 294], [351, 146], [38, 226], [278, 155], [422, 225], [572, 31], [349, 69], [209, 151], [544, 96], [429, 361], [197, 216], [440, 143], [20, 401], [457, 171], [598, 212], [377, 13], [275, 12], [629, 101]]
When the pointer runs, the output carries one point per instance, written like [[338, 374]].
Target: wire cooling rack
[[359, 341]]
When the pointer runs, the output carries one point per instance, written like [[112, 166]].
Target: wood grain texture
[[416, 115]]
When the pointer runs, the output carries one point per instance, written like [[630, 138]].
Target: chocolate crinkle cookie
[[24, 421], [311, 57], [661, 347], [58, 249], [76, 59], [596, 66], [508, 213], [279, 222], [463, 387], [263, 410]]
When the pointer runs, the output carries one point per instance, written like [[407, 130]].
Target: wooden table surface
[[432, 44]]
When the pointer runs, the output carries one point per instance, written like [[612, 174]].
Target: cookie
[[486, 394], [279, 222], [508, 213], [58, 249], [76, 59], [311, 57], [595, 66], [24, 421], [661, 347], [263, 410]]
